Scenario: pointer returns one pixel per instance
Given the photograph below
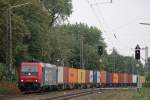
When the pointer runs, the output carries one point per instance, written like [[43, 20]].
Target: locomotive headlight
[[21, 80], [35, 80], [29, 74]]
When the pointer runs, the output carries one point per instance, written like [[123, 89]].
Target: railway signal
[[100, 50], [137, 52]]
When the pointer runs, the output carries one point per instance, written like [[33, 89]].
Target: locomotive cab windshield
[[29, 70]]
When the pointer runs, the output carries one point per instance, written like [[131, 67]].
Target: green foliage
[[67, 45], [144, 94], [148, 76], [147, 80], [118, 63], [31, 28], [2, 72], [146, 84], [58, 10]]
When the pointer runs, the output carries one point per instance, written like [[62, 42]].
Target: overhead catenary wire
[[100, 3], [104, 23], [122, 26], [99, 21], [97, 17], [126, 24]]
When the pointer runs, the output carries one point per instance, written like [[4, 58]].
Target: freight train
[[43, 76]]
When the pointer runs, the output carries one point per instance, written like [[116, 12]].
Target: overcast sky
[[122, 18]]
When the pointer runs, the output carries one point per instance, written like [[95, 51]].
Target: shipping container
[[119, 78], [81, 76], [96, 76], [87, 76], [142, 79], [134, 78], [60, 75], [50, 74], [66, 75], [103, 77], [91, 76], [130, 78], [109, 78], [125, 78], [115, 78], [73, 75], [122, 78]]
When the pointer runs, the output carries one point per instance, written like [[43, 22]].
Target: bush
[[147, 80], [2, 72], [4, 76], [146, 84], [148, 76]]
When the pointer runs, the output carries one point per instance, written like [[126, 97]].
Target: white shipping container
[[98, 77], [60, 75], [91, 76], [50, 74], [134, 78]]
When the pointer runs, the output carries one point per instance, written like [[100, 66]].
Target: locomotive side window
[[29, 70]]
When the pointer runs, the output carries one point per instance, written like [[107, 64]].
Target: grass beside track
[[116, 95], [143, 94]]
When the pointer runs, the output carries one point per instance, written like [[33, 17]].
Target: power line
[[97, 17], [113, 30], [103, 19], [100, 3], [102, 28], [99, 21]]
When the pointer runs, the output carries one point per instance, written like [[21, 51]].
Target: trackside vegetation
[[144, 94]]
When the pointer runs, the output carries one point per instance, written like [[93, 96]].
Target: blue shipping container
[[109, 77], [94, 76]]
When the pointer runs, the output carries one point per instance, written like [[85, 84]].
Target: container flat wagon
[[44, 76]]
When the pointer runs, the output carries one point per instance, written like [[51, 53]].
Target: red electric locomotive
[[30, 76]]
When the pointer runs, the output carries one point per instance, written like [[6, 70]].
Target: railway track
[[59, 95], [22, 95], [74, 95]]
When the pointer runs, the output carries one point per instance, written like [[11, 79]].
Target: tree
[[31, 31], [124, 64], [19, 30], [68, 44], [58, 10]]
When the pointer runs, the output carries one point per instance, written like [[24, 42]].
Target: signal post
[[137, 57]]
